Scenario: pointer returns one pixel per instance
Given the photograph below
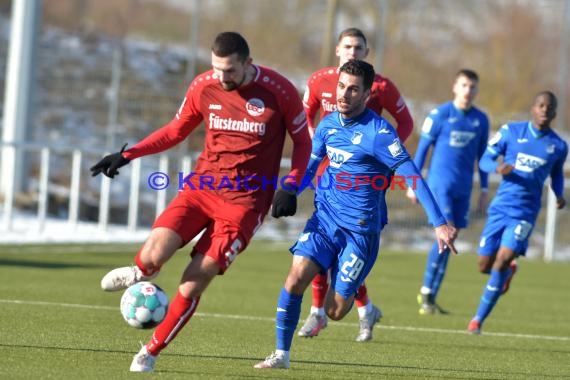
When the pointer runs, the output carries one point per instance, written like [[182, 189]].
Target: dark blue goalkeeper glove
[[110, 163], [284, 203]]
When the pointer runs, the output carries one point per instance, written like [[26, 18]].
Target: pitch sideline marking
[[267, 319]]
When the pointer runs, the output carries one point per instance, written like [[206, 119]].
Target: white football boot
[[313, 325], [367, 324], [122, 278], [143, 361], [275, 360]]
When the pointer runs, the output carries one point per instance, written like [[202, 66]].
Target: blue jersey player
[[344, 231], [458, 132], [531, 153]]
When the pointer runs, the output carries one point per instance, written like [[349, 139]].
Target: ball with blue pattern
[[144, 305]]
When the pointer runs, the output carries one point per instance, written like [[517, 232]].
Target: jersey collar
[[348, 123], [535, 132]]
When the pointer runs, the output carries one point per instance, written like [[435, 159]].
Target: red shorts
[[228, 227]]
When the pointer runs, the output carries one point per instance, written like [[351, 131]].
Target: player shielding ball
[[247, 111]]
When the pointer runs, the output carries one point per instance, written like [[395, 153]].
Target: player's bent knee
[[485, 264], [485, 269], [161, 244], [300, 275], [296, 285], [336, 312]]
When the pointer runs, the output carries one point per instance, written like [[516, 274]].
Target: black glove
[[110, 163], [284, 203]]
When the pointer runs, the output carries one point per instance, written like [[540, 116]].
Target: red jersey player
[[320, 98], [247, 111]]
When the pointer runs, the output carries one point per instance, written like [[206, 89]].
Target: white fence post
[[134, 195], [74, 190], [43, 188], [550, 228], [161, 194], [104, 202], [186, 165], [8, 193]]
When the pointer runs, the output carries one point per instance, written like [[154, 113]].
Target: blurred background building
[[106, 72]]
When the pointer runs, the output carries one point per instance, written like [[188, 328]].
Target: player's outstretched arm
[[419, 160], [110, 164], [445, 233]]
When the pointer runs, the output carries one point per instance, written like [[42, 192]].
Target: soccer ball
[[144, 305]]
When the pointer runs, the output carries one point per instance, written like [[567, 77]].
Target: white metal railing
[[79, 158], [78, 173]]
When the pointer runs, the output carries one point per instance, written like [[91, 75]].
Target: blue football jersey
[[363, 153], [459, 139], [535, 155]]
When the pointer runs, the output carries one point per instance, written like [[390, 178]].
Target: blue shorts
[[349, 255], [455, 208], [504, 231]]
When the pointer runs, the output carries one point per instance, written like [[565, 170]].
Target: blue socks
[[491, 293], [286, 319], [436, 266], [440, 272], [431, 265]]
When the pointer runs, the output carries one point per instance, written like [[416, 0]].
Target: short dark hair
[[361, 69], [228, 43], [352, 32], [550, 95], [468, 73]]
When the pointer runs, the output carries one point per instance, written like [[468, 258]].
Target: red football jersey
[[320, 95], [245, 134]]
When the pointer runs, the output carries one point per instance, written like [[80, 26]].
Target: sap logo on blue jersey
[[460, 139], [527, 163], [338, 156]]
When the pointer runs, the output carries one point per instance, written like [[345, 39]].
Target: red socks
[[179, 313], [320, 286], [361, 298]]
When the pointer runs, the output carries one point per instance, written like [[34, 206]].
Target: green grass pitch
[[56, 323]]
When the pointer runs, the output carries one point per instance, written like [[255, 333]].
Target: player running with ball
[[234, 94]]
